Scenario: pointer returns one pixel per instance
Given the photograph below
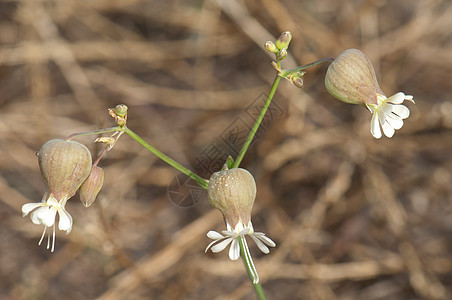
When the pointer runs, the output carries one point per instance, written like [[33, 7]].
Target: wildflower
[[351, 79], [45, 214], [64, 166], [233, 192]]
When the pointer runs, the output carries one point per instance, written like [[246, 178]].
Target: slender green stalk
[[283, 73], [201, 181], [258, 122], [251, 269], [111, 129]]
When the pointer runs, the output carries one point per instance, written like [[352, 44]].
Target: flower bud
[[351, 79], [119, 113], [282, 54], [271, 47], [233, 192], [297, 81], [283, 41], [121, 110], [91, 186], [64, 166]]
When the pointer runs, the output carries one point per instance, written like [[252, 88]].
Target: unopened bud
[[121, 110], [283, 41], [233, 192], [91, 186], [119, 113], [282, 54], [64, 166], [351, 78], [271, 47], [297, 81]]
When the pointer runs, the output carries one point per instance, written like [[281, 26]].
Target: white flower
[[223, 239], [351, 79], [389, 113], [45, 213]]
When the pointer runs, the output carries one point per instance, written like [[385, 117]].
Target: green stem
[[298, 69], [201, 181], [250, 268], [258, 122], [111, 129]]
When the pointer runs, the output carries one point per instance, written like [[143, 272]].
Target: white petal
[[208, 246], [214, 235], [42, 212], [47, 215], [397, 98], [383, 112], [409, 98], [229, 233], [260, 245], [34, 218], [388, 130], [26, 208], [220, 246], [394, 121], [65, 222], [265, 239], [375, 126], [234, 251], [244, 231], [401, 110]]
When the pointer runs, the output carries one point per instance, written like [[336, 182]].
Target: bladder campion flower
[[351, 79], [233, 192], [64, 166]]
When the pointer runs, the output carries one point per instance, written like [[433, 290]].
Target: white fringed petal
[[260, 244], [213, 235], [375, 126], [388, 130], [34, 218], [388, 114], [27, 208], [261, 236], [396, 98], [46, 215], [395, 122], [65, 223], [221, 241], [401, 110], [221, 245], [234, 251]]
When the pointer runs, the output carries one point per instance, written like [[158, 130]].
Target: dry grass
[[353, 217]]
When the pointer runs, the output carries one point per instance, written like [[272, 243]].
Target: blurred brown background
[[353, 217]]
